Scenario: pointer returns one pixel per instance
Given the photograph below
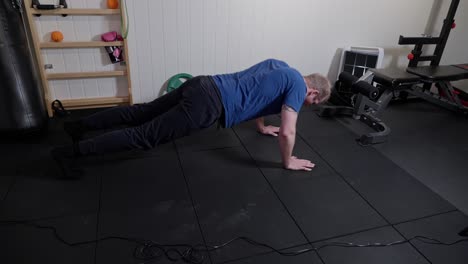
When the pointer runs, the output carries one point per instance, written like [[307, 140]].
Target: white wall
[[216, 36]]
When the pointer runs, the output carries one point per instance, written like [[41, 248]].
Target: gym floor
[[221, 184]]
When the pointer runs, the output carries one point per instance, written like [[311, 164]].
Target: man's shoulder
[[289, 72], [276, 63]]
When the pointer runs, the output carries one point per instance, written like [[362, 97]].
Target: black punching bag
[[22, 108]]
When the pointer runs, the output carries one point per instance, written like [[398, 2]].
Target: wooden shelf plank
[[37, 54], [125, 23], [75, 12], [94, 102], [80, 75], [79, 44]]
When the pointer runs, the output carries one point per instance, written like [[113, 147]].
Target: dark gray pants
[[195, 105]]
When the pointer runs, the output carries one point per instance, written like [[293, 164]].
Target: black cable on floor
[[148, 250]]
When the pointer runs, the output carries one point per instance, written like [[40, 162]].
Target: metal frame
[[450, 102], [367, 111], [440, 41]]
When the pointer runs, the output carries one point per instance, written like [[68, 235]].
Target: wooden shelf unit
[[45, 77], [79, 44]]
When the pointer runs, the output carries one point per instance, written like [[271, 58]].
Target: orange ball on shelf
[[56, 36], [113, 4]]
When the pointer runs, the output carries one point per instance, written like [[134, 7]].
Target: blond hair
[[320, 83]]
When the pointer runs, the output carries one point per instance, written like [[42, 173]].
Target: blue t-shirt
[[260, 90]]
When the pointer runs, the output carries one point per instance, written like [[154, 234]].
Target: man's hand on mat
[[269, 130], [299, 164]]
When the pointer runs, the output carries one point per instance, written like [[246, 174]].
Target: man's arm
[[287, 138], [260, 122], [266, 130]]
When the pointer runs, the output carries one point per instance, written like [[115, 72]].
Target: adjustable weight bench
[[368, 108], [369, 104]]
